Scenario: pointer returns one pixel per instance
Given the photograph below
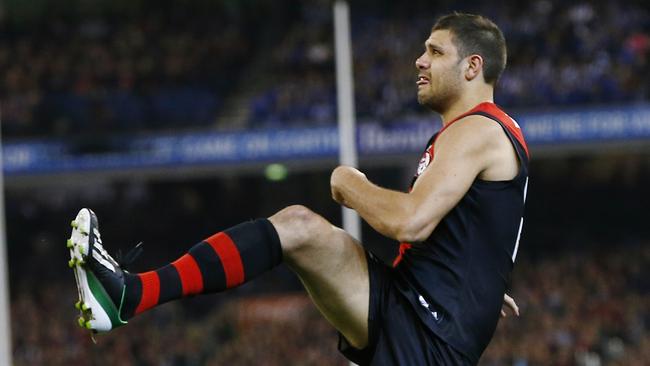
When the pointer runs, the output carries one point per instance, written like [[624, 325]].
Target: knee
[[298, 227]]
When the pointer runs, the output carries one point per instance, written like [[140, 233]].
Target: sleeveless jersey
[[456, 278]]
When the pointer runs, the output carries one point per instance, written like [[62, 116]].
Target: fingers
[[510, 302], [503, 314]]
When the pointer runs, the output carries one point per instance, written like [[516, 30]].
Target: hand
[[338, 197], [509, 303], [340, 178]]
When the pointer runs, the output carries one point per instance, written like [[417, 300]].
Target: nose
[[421, 63]]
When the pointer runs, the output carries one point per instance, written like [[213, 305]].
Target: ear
[[474, 67]]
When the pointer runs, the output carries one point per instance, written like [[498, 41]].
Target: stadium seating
[[139, 74]]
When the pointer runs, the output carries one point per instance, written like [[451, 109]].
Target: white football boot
[[100, 280]]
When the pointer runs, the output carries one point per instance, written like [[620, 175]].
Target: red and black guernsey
[[456, 278]]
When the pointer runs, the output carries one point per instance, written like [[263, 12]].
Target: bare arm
[[462, 152]]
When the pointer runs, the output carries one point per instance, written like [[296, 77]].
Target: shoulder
[[474, 132]]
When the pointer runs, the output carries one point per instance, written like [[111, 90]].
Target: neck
[[467, 101]]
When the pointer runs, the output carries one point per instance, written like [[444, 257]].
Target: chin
[[429, 102], [424, 99]]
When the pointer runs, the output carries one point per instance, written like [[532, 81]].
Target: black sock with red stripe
[[222, 261]]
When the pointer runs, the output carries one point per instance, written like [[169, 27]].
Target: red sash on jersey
[[492, 109]]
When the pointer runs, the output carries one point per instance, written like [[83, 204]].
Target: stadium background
[[139, 108]]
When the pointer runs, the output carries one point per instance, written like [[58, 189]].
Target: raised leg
[[332, 266]]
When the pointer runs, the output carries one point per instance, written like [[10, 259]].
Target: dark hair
[[475, 34]]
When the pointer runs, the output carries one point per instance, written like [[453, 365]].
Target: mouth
[[422, 80]]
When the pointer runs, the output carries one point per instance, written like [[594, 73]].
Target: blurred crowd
[[175, 69], [159, 70], [272, 330], [558, 55], [586, 307]]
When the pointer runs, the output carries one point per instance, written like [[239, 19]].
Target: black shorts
[[396, 336]]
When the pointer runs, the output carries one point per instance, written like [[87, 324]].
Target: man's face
[[439, 77]]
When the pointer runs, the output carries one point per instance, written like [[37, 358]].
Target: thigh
[[331, 265]]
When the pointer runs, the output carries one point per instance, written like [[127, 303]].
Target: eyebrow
[[428, 45]]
